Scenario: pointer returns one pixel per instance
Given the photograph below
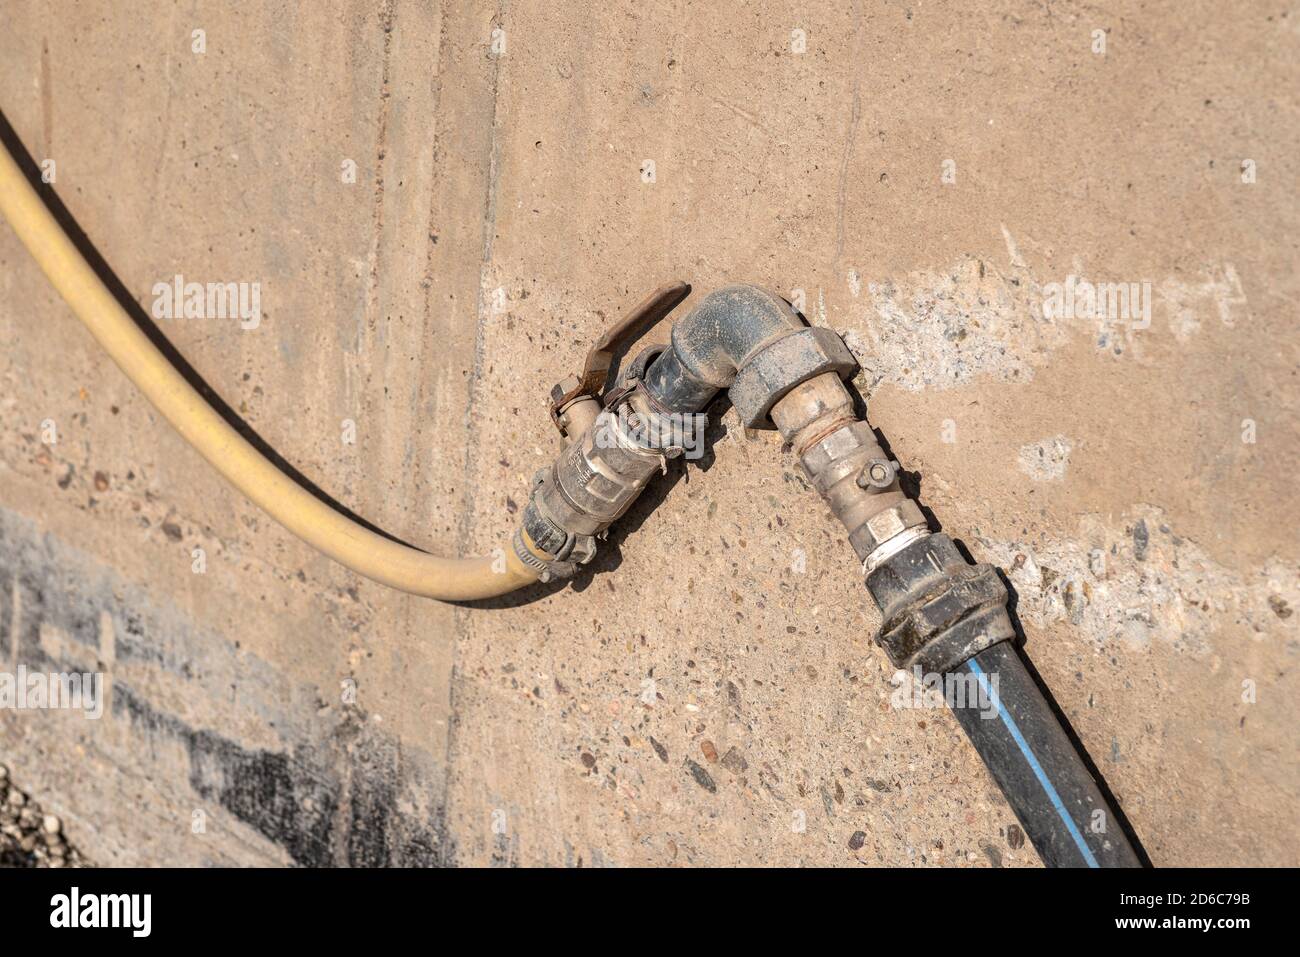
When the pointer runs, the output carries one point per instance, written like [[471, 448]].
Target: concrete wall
[[711, 682]]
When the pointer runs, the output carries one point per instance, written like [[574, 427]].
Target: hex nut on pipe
[[884, 525], [765, 378]]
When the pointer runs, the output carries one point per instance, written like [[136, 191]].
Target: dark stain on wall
[[325, 806], [329, 797]]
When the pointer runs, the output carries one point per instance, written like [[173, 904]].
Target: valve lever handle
[[600, 357]]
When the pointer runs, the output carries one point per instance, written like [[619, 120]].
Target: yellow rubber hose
[[316, 523]]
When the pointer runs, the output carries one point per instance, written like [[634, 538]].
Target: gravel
[[28, 836]]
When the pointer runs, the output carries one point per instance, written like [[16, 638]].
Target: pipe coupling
[[766, 377], [554, 552], [937, 610]]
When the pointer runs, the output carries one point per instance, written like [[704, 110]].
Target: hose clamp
[[633, 380], [665, 422], [561, 551], [562, 566]]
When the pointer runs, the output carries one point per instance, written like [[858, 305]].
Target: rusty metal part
[[813, 411], [634, 381], [741, 336], [578, 415], [874, 534], [600, 357]]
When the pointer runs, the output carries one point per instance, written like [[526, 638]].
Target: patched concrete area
[[444, 204]]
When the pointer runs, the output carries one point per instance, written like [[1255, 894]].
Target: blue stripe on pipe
[[1039, 773]]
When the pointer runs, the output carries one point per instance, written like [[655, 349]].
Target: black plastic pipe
[[1046, 782]]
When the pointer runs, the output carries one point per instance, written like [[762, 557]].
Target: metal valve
[[600, 357]]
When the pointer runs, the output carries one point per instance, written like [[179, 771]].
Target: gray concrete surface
[[709, 694]]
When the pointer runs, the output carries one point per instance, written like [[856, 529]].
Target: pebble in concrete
[[28, 837]]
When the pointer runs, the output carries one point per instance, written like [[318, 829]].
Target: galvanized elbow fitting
[[937, 610], [749, 341]]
